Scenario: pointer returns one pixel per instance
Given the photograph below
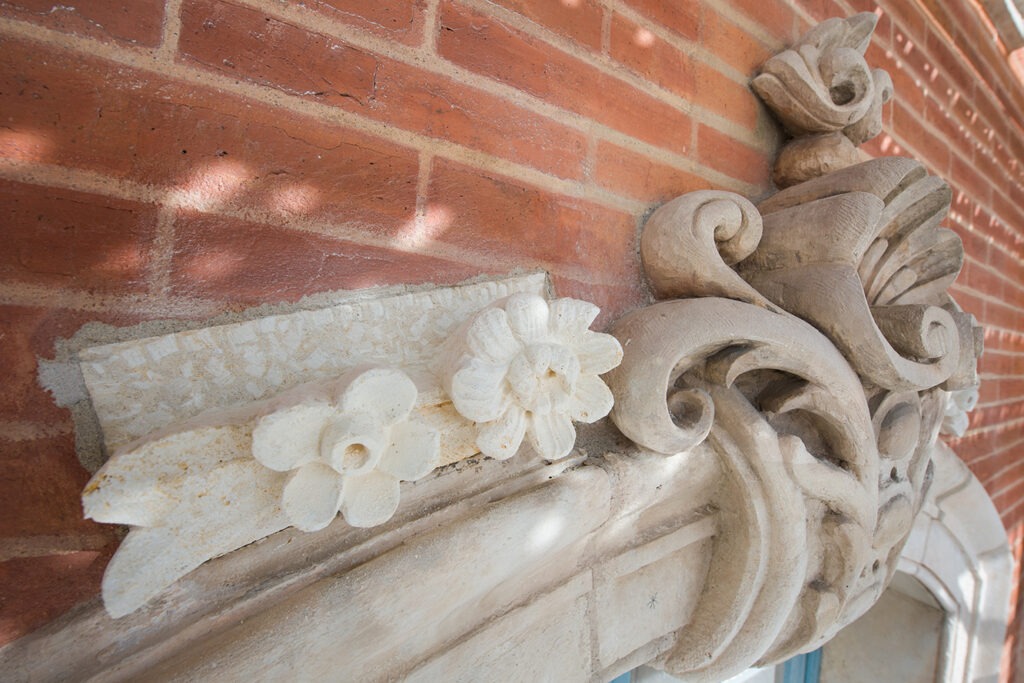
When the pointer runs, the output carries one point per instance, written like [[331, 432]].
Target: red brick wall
[[185, 158]]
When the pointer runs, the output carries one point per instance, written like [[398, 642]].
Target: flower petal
[[311, 497], [491, 339], [598, 353], [414, 451], [290, 438], [528, 317], [385, 393], [565, 364], [501, 439], [479, 392], [570, 318], [552, 434], [522, 379], [369, 499], [592, 399]]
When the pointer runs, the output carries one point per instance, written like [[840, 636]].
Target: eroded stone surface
[[140, 386]]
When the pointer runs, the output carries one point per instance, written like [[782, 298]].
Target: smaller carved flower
[[958, 403], [348, 455], [524, 368]]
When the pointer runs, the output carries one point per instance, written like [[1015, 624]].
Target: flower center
[[352, 444], [543, 377], [355, 456]]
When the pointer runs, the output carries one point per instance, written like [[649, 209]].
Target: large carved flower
[[527, 368], [348, 455]]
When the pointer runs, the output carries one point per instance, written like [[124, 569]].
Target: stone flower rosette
[[524, 367], [348, 456]]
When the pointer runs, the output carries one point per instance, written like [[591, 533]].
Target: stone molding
[[958, 550], [773, 421]]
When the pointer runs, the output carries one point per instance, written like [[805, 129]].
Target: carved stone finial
[[826, 97]]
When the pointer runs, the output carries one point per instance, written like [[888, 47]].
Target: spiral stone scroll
[[811, 344]]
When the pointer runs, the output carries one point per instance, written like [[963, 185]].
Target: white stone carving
[[958, 403], [208, 485], [143, 385], [348, 454], [524, 367], [200, 468]]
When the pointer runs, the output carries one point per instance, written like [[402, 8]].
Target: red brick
[[906, 89], [35, 590], [948, 62], [401, 20], [579, 20], [22, 397], [134, 22], [251, 263], [663, 64], [427, 103], [733, 158], [41, 482], [732, 44], [530, 227], [30, 333], [74, 240], [820, 10], [680, 16], [383, 89], [974, 447], [772, 15], [485, 46], [215, 148], [269, 51], [1003, 316], [636, 175], [1005, 479]]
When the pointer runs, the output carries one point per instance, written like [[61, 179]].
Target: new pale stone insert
[[338, 419]]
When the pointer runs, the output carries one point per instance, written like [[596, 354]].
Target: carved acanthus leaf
[[871, 279], [822, 83], [820, 383], [826, 96], [789, 420]]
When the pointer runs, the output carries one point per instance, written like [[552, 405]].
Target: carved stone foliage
[[288, 420], [783, 399], [826, 96], [811, 343]]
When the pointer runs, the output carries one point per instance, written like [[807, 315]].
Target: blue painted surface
[[803, 668], [624, 678]]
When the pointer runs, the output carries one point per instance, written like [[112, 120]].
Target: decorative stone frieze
[[772, 424], [811, 344], [271, 423]]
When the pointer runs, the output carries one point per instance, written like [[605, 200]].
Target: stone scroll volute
[[811, 343], [779, 403]]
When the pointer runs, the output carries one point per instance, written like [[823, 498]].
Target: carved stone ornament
[[210, 480], [826, 95], [772, 423], [810, 342], [523, 367]]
